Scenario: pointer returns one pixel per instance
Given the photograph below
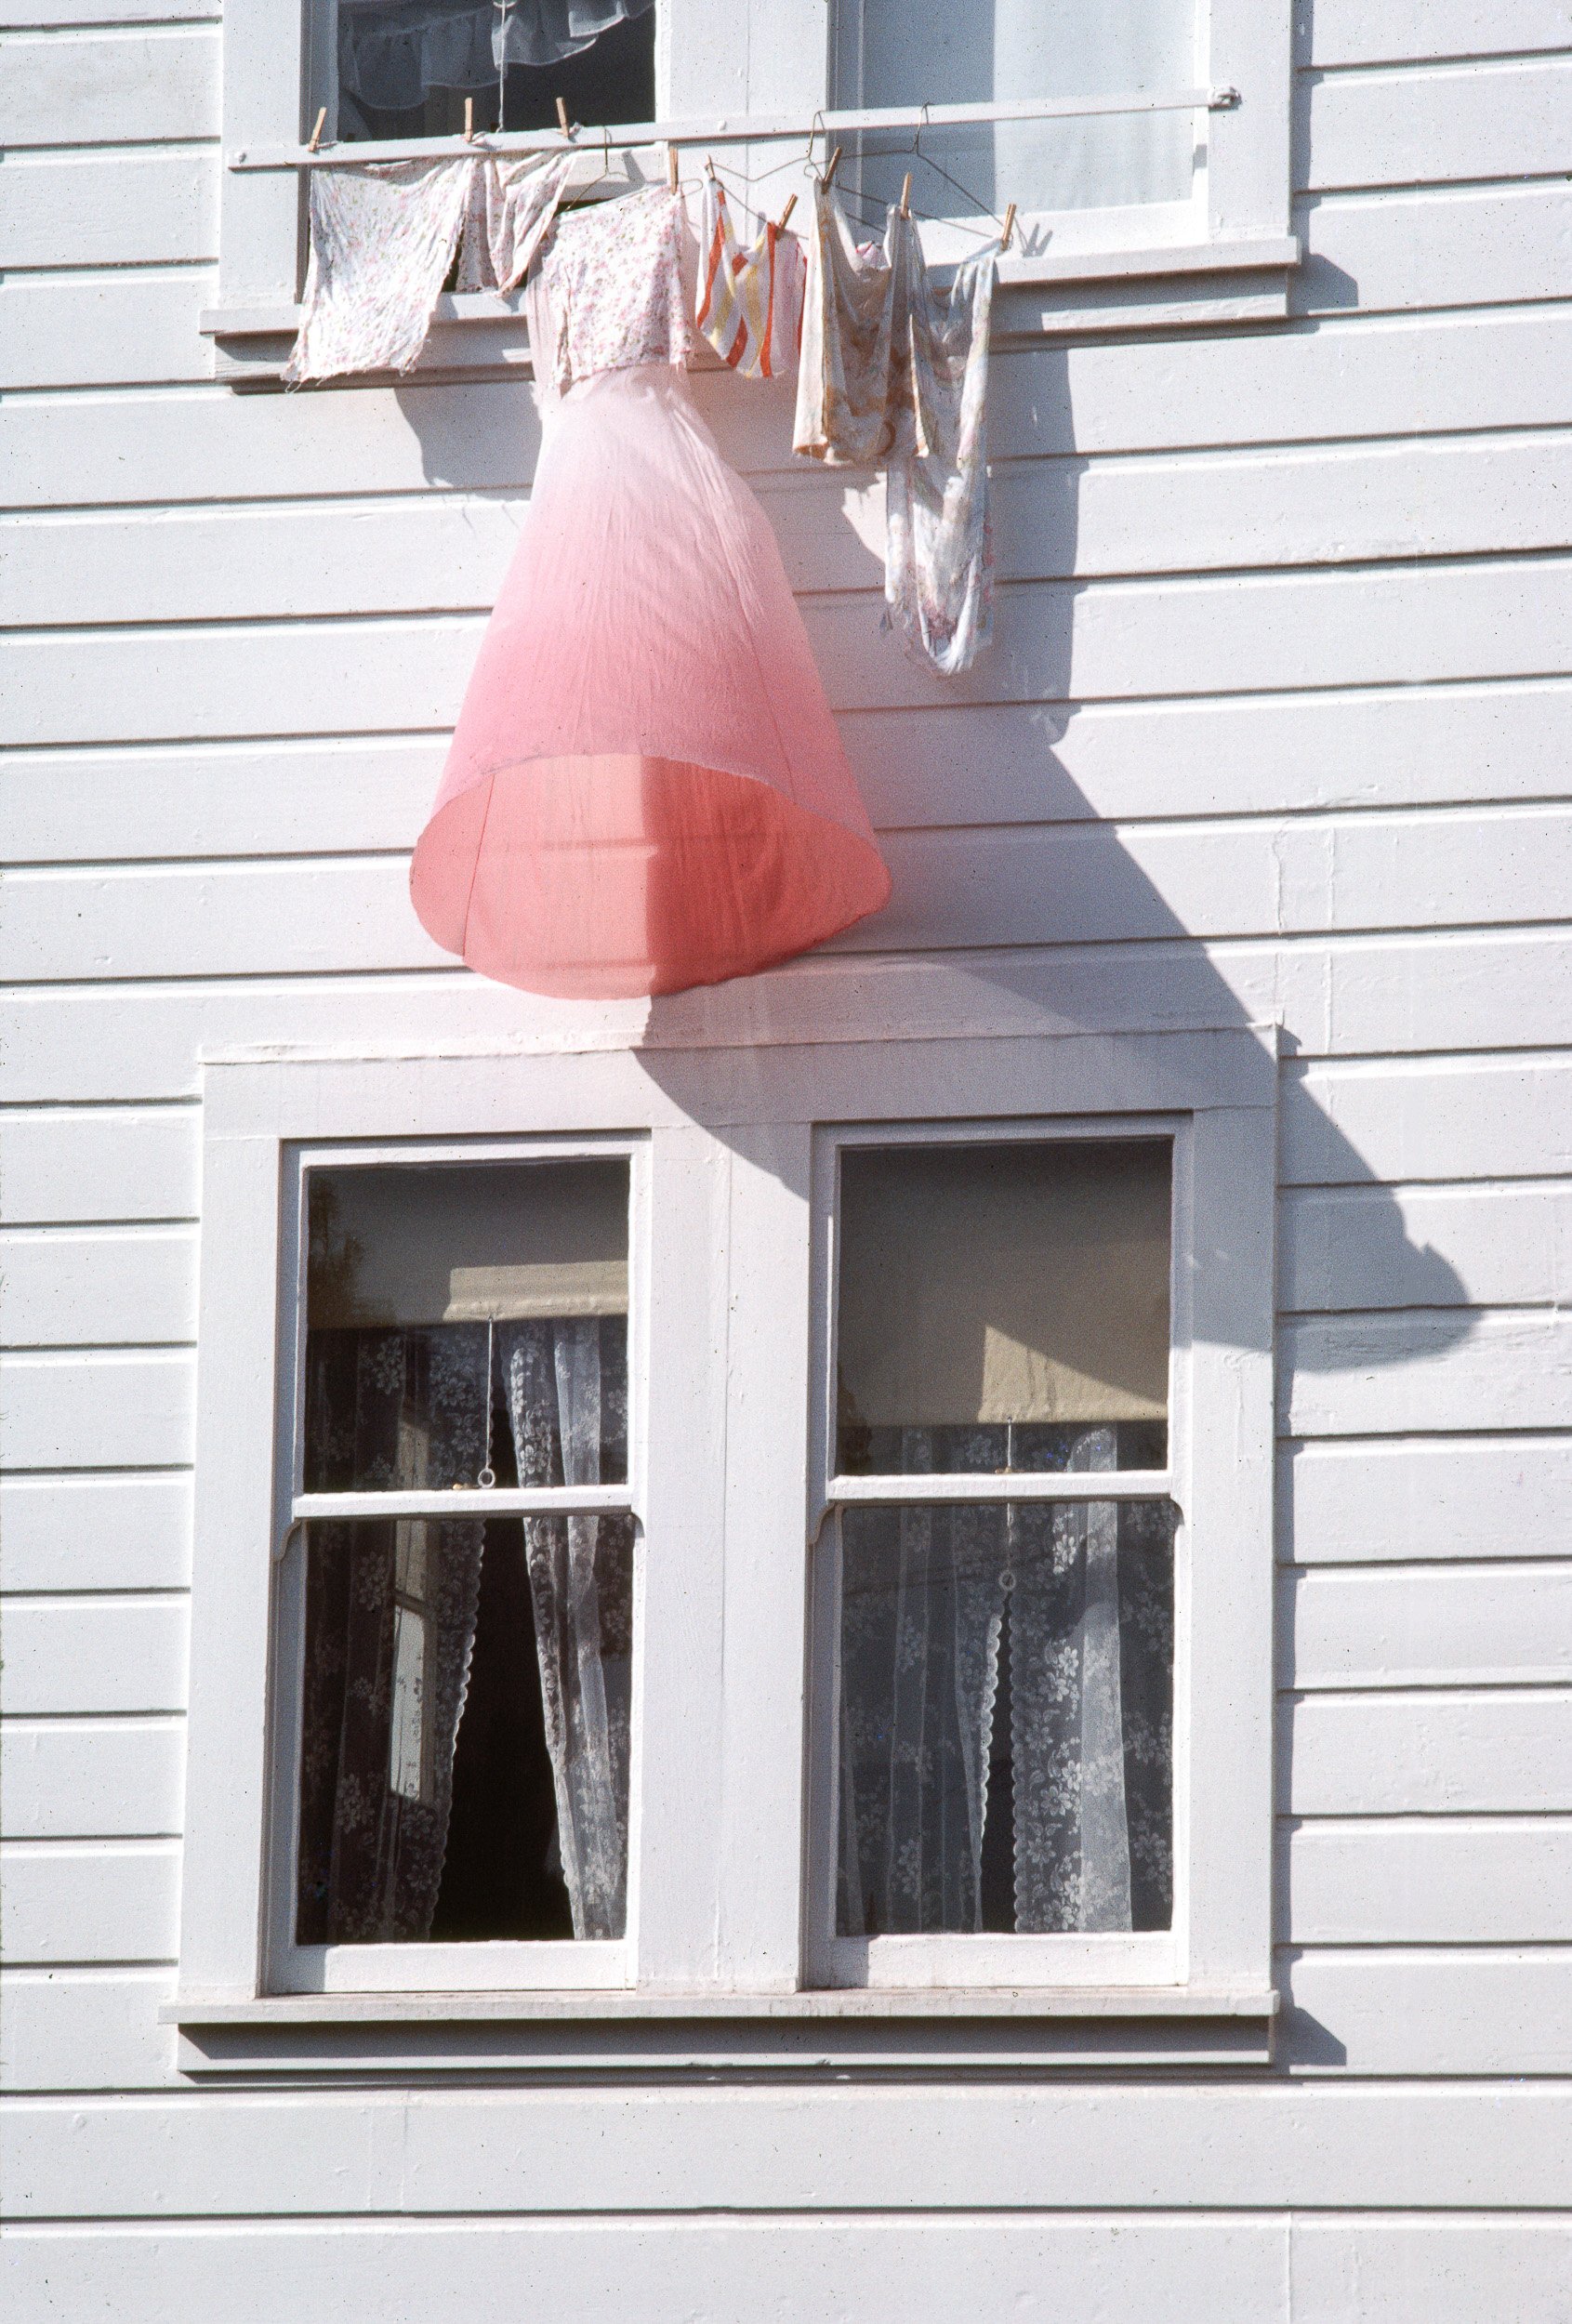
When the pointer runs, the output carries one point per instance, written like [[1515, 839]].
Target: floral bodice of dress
[[610, 290]]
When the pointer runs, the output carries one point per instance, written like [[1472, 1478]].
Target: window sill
[[634, 2033], [1158, 286]]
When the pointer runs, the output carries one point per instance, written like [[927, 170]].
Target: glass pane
[[916, 52], [996, 1302], [405, 67], [1006, 1747], [447, 1305], [464, 1751]]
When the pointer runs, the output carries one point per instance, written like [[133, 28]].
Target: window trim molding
[[288, 1966], [732, 1130], [1225, 256]]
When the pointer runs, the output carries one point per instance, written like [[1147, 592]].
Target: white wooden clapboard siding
[[1468, 1496], [1466, 120], [1366, 624], [1421, 2270], [1401, 32], [72, 1902], [1341, 381], [1284, 665], [970, 766], [1054, 517], [71, 1531], [93, 209], [905, 2150], [1097, 883], [111, 85], [666, 2272], [84, 1164]]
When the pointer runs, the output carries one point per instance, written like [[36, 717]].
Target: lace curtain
[[390, 1613], [556, 1392], [394, 53], [1084, 1591], [391, 1607]]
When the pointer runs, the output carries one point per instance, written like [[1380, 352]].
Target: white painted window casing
[[1218, 255], [728, 1374]]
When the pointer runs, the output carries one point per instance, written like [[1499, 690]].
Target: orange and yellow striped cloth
[[750, 295]]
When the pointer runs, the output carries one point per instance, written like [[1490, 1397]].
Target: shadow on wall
[[1038, 918]]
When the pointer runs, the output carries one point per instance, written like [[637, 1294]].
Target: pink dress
[[646, 789]]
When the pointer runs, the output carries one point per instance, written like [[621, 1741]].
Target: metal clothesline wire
[[734, 129]]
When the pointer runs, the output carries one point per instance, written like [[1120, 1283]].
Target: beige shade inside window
[[1004, 1282], [449, 1244]]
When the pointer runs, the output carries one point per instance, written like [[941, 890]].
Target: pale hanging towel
[[938, 540], [383, 237], [749, 296], [895, 372], [850, 379]]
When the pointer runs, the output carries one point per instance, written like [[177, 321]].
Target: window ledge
[[636, 2034], [861, 2001], [1156, 286]]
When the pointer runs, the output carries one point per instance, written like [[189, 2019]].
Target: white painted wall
[[1277, 723]]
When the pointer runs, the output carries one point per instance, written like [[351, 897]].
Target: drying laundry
[[646, 789], [895, 371], [384, 236], [751, 295], [849, 384], [938, 541]]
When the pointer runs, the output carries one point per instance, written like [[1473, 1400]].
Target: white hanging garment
[[895, 372], [383, 238], [938, 541], [511, 206], [392, 54]]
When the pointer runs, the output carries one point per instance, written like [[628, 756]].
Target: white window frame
[[1222, 258], [545, 1966], [902, 1963], [733, 1344]]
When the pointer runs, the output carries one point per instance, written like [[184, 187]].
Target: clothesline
[[730, 129]]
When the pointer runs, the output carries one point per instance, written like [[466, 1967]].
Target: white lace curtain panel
[[392, 54], [1085, 1588], [391, 1611]]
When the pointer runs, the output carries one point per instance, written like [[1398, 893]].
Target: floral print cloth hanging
[[749, 296], [384, 235], [938, 540], [895, 371]]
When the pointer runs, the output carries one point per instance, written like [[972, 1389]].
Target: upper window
[[1177, 165], [405, 67]]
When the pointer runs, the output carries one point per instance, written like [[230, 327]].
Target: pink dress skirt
[[646, 789]]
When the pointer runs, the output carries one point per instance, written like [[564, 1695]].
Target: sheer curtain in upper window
[[917, 52]]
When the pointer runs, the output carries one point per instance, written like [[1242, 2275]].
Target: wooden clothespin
[[316, 133], [562, 118], [791, 205], [830, 168], [469, 120], [1008, 235], [671, 166], [906, 195]]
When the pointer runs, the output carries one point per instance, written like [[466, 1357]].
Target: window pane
[[405, 67], [914, 52], [1006, 1747], [996, 1300], [464, 1749], [449, 1305]]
